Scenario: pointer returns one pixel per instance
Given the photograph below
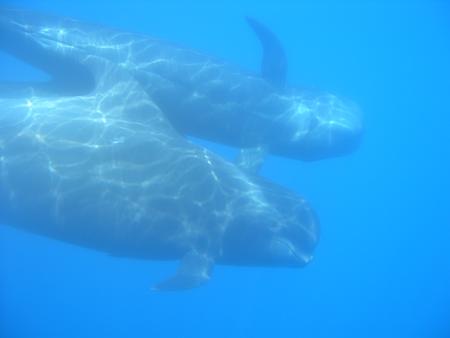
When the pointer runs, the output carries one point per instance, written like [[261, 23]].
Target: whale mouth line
[[288, 252]]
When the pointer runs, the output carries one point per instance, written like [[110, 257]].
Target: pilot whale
[[202, 96], [96, 162]]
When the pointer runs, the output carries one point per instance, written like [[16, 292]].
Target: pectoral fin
[[194, 270], [251, 160]]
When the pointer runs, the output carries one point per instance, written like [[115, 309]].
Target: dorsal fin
[[274, 63]]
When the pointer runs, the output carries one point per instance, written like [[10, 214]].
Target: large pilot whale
[[92, 159], [201, 96]]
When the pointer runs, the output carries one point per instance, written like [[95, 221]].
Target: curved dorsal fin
[[274, 63]]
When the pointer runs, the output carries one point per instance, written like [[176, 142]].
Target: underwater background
[[382, 268]]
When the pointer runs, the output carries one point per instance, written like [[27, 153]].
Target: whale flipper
[[194, 270], [251, 159], [274, 62]]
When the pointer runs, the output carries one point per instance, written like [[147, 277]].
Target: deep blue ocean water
[[382, 268]]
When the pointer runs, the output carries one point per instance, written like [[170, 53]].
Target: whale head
[[316, 125], [278, 229], [304, 124]]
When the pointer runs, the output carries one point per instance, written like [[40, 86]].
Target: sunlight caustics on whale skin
[[87, 171], [203, 96], [104, 168]]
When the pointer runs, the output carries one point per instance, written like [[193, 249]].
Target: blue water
[[382, 268]]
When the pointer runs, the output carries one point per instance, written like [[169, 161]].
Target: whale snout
[[340, 132], [322, 126], [295, 242]]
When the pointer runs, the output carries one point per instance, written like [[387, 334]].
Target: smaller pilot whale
[[200, 95], [92, 160]]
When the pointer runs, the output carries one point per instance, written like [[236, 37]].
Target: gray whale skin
[[97, 156]]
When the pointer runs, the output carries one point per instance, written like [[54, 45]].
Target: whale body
[[202, 96], [92, 159]]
